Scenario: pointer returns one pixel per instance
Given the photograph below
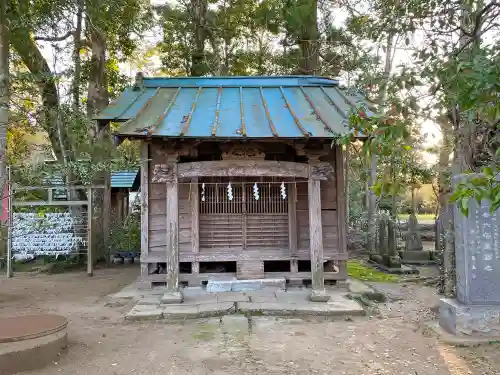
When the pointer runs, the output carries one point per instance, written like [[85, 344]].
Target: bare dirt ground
[[102, 343]]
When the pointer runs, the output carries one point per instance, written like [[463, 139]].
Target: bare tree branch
[[54, 38]]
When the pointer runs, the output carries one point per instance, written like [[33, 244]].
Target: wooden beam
[[342, 204], [316, 235], [144, 205], [248, 168], [292, 218], [172, 231]]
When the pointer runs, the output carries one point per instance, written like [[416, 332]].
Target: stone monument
[[392, 259], [476, 310], [414, 250], [381, 240]]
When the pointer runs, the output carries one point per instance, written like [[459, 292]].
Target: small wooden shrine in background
[[239, 178]]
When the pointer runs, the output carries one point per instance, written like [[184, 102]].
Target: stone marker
[[414, 253], [382, 235], [392, 246], [413, 240], [476, 310]]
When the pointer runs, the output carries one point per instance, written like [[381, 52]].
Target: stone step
[[216, 286]]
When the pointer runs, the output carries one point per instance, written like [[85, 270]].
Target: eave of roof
[[291, 107]]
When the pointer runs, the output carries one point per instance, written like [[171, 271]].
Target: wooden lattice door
[[245, 218]]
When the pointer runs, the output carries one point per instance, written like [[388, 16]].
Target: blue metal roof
[[124, 179], [234, 107]]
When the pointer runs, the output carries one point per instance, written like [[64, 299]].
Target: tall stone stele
[[476, 309], [382, 240]]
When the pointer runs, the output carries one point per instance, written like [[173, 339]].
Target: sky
[[401, 56]]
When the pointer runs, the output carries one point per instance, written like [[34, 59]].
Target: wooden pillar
[[292, 219], [90, 261], [194, 199], [172, 294], [316, 234], [144, 209], [106, 208], [342, 204]]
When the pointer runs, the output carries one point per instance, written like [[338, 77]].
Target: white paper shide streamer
[[283, 190], [256, 192], [229, 192], [203, 192]]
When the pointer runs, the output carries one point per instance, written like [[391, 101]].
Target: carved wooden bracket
[[321, 171], [163, 173], [243, 152]]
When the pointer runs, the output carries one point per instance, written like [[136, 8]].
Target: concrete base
[[319, 296], [469, 320], [434, 329], [217, 286], [198, 303], [171, 297], [417, 257]]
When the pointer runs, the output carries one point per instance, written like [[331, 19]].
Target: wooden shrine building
[[239, 178]]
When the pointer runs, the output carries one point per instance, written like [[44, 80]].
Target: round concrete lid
[[19, 328]]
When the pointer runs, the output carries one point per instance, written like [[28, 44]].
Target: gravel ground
[[102, 343]]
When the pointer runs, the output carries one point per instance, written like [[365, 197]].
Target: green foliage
[[126, 236], [481, 187]]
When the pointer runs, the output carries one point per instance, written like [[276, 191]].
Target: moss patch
[[205, 332], [357, 270]]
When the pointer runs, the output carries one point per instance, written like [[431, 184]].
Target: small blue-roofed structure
[[234, 107], [125, 179], [240, 177]]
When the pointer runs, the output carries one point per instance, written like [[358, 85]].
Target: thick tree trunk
[[77, 61], [198, 63], [372, 198], [4, 91], [31, 56], [97, 99], [308, 41]]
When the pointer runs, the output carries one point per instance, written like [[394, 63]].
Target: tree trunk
[[77, 61], [372, 198], [413, 201], [4, 91], [308, 40], [462, 160], [198, 63], [97, 99], [346, 181], [31, 56]]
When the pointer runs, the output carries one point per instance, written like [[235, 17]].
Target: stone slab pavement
[[198, 303]]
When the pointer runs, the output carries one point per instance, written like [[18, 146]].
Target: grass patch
[[419, 216], [357, 270]]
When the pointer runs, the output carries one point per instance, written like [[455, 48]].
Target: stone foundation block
[[171, 298], [319, 296], [469, 320]]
